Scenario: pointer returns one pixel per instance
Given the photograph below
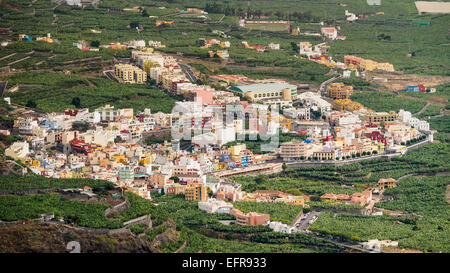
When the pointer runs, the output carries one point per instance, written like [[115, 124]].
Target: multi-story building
[[280, 90], [314, 101], [196, 192], [327, 154], [386, 183], [347, 105], [339, 91], [293, 150], [215, 206], [18, 150], [130, 74], [251, 218], [376, 117], [126, 175], [297, 113]]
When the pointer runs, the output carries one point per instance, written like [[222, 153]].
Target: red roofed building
[[377, 136]]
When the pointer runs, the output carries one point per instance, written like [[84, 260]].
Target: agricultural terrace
[[423, 196]]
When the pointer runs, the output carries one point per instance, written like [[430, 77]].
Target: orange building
[[339, 91], [251, 218], [386, 183], [196, 192]]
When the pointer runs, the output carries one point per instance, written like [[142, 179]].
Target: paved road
[[323, 87], [305, 223], [189, 72]]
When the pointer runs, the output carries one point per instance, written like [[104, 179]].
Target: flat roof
[[262, 87]]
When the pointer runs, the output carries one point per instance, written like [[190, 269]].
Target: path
[[181, 247], [423, 109]]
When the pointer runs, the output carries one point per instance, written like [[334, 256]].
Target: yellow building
[[370, 65], [285, 122], [347, 105], [130, 74], [196, 193], [148, 64], [380, 116], [236, 150], [325, 155], [339, 91]]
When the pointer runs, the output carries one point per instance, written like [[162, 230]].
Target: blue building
[[412, 88]]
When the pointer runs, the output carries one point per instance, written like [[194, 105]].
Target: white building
[[280, 227], [297, 113], [314, 101], [18, 150], [215, 206], [329, 32]]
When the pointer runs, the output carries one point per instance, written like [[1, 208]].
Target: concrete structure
[[314, 101], [329, 32], [251, 218], [386, 183], [263, 91], [18, 150], [130, 74], [215, 206], [196, 192], [377, 117], [339, 91]]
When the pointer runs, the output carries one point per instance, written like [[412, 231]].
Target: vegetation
[[422, 196], [138, 228], [386, 102], [59, 91], [30, 207], [138, 207], [19, 183]]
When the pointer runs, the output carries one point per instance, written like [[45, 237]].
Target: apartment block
[[196, 192], [130, 74], [339, 91], [380, 116], [293, 150], [347, 105], [251, 218]]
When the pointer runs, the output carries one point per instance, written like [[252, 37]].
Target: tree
[[295, 47], [259, 180], [95, 43], [31, 104], [76, 102], [134, 24], [175, 179]]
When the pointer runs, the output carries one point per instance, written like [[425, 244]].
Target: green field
[[58, 91], [385, 102], [30, 207], [422, 196], [19, 183]]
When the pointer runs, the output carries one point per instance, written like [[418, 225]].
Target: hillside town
[[110, 144], [224, 127]]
